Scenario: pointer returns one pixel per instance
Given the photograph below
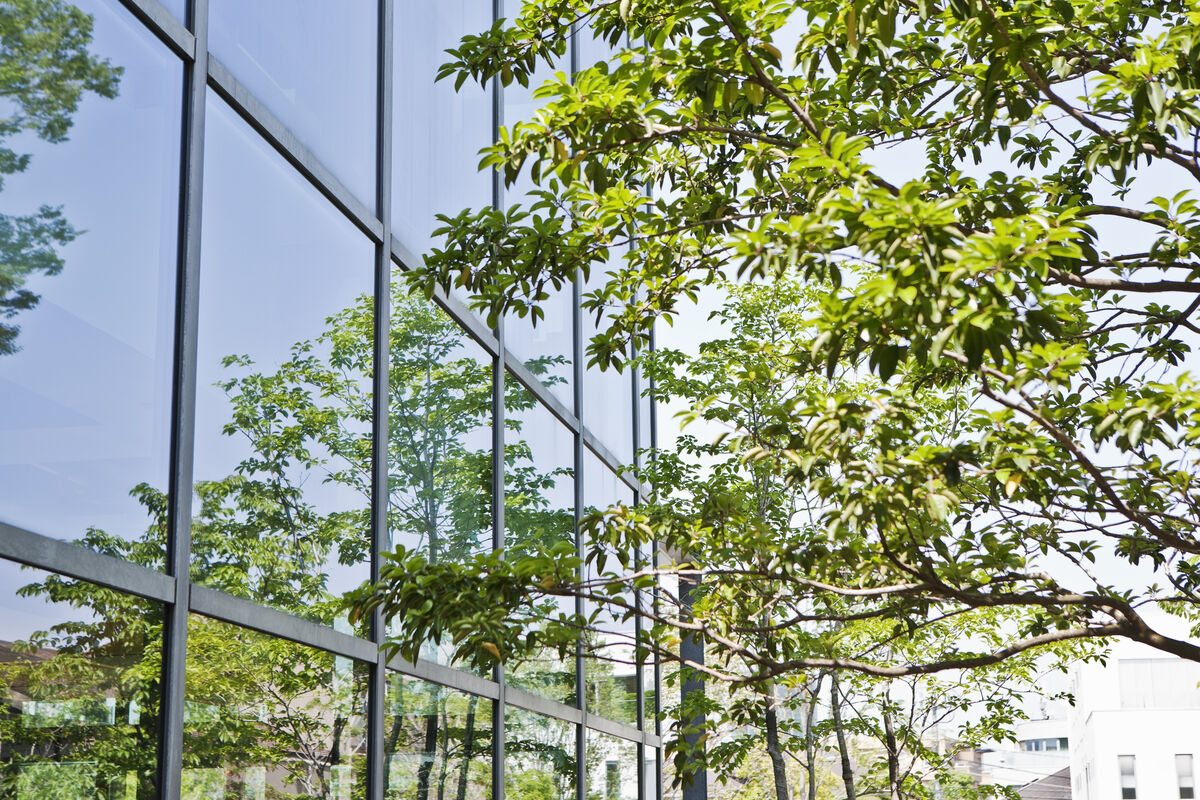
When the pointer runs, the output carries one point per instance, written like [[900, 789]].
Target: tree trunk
[[836, 705], [810, 739], [893, 752], [428, 753], [467, 749], [778, 768]]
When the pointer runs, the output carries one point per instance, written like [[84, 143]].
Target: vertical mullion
[[498, 411], [377, 691], [183, 412], [577, 376]]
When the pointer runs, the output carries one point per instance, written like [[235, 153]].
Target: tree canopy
[[974, 226]]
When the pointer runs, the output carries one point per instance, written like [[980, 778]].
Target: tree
[[994, 203]]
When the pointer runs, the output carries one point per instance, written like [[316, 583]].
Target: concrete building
[[1135, 727]]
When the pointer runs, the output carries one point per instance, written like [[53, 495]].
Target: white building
[[1041, 749], [1135, 727]]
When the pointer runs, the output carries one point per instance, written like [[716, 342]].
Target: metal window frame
[[173, 587]]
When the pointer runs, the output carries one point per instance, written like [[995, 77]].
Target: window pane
[[313, 64], [283, 408], [266, 717], [440, 433], [439, 742], [539, 756], [87, 264], [177, 7], [547, 347], [610, 665], [612, 767], [607, 394], [1128, 778], [539, 489], [438, 132], [80, 667]]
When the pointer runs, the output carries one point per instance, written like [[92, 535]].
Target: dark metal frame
[[173, 587]]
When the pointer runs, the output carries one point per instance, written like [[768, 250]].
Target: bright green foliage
[[981, 268], [974, 227], [45, 69]]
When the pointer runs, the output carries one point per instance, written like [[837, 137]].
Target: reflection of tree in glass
[[264, 712], [540, 758], [438, 743], [84, 693], [47, 68]]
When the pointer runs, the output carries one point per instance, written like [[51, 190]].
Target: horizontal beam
[[163, 24], [35, 550], [247, 614]]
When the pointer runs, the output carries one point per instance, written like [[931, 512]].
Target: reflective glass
[[609, 663], [539, 756], [612, 767], [539, 512], [440, 436], [269, 718], [591, 49], [284, 365], [439, 743], [177, 7], [607, 394], [80, 666], [546, 347], [313, 64], [88, 226], [437, 131], [645, 419]]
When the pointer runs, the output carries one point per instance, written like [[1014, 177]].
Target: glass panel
[[437, 132], [612, 768], [539, 757], [269, 718], [80, 667], [313, 64], [439, 743], [539, 488], [440, 451], [89, 200], [607, 394], [610, 667], [645, 419], [283, 408], [177, 7], [547, 347]]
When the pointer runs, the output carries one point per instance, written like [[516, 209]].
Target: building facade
[[1135, 726], [219, 405]]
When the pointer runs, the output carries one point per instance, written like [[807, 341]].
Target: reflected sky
[[278, 264], [313, 64], [437, 132], [84, 403]]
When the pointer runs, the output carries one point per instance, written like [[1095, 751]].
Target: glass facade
[[218, 404]]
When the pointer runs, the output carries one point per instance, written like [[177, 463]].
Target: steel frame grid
[[172, 587]]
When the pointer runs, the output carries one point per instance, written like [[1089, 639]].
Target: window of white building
[[1128, 778], [1187, 778]]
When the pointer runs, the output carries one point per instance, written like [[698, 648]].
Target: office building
[[219, 404]]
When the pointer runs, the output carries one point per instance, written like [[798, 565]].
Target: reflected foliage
[[438, 745], [81, 717], [270, 718], [47, 68], [539, 757]]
